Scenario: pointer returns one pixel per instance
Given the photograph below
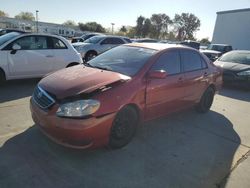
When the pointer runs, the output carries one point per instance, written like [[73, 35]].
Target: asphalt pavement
[[182, 150]]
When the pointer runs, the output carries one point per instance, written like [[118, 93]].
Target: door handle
[[49, 56]]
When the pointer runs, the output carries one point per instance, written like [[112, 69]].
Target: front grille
[[42, 98]]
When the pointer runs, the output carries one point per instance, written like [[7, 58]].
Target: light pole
[[37, 21], [112, 28]]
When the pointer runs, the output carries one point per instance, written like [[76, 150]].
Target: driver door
[[165, 95], [33, 59]]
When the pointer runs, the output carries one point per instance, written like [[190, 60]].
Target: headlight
[[244, 73], [78, 108]]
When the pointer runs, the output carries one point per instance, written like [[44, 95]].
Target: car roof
[[157, 46], [41, 34]]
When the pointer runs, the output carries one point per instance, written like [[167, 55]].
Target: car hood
[[232, 66], [78, 80], [210, 51]]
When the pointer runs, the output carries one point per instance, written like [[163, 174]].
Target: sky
[[123, 12]]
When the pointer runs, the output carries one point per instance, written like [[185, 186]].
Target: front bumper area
[[91, 132]]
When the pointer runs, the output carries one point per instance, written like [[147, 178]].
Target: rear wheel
[[206, 100], [124, 127], [90, 55]]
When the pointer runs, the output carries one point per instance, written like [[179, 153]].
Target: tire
[[2, 78], [90, 55], [206, 101], [123, 128]]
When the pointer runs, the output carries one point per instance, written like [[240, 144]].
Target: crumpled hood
[[232, 66], [77, 80]]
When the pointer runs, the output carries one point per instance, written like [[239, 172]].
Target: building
[[32, 26], [233, 27]]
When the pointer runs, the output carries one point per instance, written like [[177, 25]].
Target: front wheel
[[206, 100], [124, 127]]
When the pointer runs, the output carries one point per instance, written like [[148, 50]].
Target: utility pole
[[112, 28], [37, 21]]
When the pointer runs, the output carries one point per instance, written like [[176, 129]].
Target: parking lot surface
[[181, 150]]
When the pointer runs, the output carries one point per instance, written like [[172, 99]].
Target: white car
[[98, 44], [34, 55]]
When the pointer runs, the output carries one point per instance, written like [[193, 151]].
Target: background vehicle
[[98, 44], [34, 55], [5, 31], [214, 51], [103, 104], [146, 40], [192, 44], [236, 68], [85, 37]]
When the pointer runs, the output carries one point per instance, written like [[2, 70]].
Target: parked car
[[192, 44], [102, 102], [214, 51], [85, 37], [34, 55], [236, 67], [97, 45], [146, 40], [5, 31]]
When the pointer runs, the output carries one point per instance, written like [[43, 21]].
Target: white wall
[[233, 28]]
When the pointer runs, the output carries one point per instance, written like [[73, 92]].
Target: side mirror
[[157, 74], [16, 47]]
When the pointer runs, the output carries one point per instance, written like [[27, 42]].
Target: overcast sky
[[122, 12]]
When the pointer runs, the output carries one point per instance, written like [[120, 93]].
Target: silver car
[[97, 45]]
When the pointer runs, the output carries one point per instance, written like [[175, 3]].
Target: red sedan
[[102, 102]]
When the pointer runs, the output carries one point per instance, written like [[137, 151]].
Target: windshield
[[94, 40], [237, 57], [7, 37], [126, 60]]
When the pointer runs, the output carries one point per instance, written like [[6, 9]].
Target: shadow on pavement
[[235, 93], [16, 89], [184, 150]]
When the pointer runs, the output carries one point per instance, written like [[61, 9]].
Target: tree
[[123, 29], [160, 23], [147, 27], [131, 32], [205, 41], [92, 26], [186, 25], [139, 26], [69, 23], [3, 14], [25, 16]]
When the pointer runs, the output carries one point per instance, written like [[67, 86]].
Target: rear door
[[165, 95], [196, 75], [32, 60], [61, 53]]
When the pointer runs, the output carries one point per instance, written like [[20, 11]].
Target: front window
[[236, 57], [126, 60], [94, 40], [8, 37]]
